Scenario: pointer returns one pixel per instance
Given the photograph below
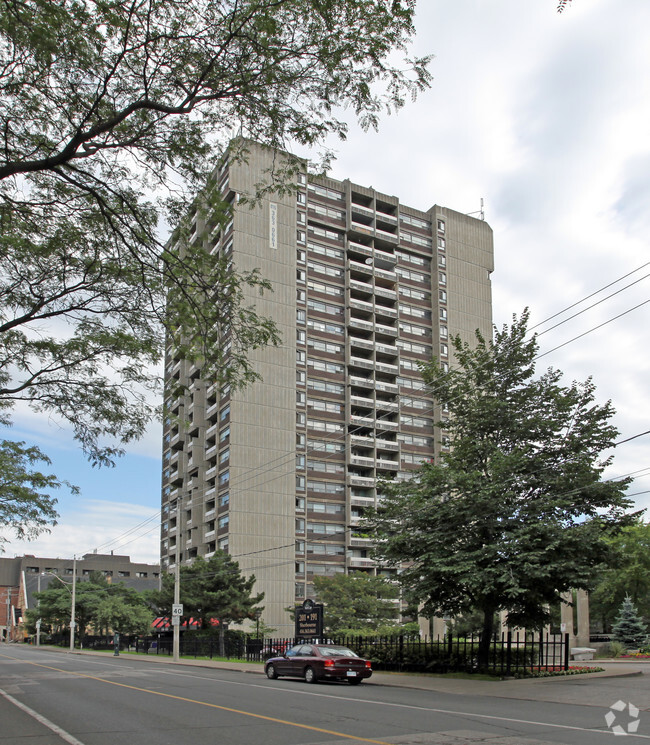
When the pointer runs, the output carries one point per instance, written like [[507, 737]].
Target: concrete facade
[[364, 289]]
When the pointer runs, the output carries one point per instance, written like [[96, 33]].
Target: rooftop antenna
[[480, 213]]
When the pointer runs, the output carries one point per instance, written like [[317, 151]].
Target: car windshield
[[336, 652]]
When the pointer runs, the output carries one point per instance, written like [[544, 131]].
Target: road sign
[[177, 610]]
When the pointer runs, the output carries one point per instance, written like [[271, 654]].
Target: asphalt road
[[47, 698]]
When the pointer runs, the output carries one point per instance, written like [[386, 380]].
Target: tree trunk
[[487, 633], [222, 640]]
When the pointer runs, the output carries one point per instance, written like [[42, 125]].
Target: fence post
[[566, 651], [508, 652]]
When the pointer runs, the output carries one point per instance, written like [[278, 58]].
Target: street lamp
[[73, 594]]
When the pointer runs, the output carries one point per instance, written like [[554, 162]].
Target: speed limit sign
[[177, 609]]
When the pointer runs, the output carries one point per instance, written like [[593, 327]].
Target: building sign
[[273, 225], [309, 620]]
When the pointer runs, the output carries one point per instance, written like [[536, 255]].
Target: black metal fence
[[508, 654]]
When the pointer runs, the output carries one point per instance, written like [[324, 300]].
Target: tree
[[356, 601], [113, 117], [98, 604], [516, 512], [25, 508], [629, 628], [210, 589], [628, 574], [123, 610]]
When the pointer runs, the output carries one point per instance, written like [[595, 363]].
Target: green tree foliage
[[627, 575], [99, 605], [26, 509], [357, 601], [113, 114], [517, 511], [629, 629], [211, 588]]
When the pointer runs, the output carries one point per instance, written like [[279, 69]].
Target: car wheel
[[310, 675], [271, 672], [354, 681]]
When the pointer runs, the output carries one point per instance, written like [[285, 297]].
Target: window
[[410, 274], [300, 505], [301, 357], [301, 275], [301, 296], [332, 235], [411, 328], [326, 387], [444, 350], [301, 377], [325, 327], [330, 271], [443, 314], [442, 295], [444, 332], [325, 466], [300, 418], [224, 455], [329, 406], [222, 544], [223, 522], [325, 288], [415, 221], [224, 478], [300, 483], [301, 237], [301, 336], [142, 575], [301, 198], [300, 440], [301, 315], [326, 487], [321, 209], [323, 191], [318, 248], [224, 499], [441, 226], [321, 426], [224, 414], [323, 346], [442, 278], [326, 446], [301, 218], [321, 307], [300, 462], [323, 366]]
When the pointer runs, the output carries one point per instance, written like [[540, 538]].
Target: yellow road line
[[204, 703]]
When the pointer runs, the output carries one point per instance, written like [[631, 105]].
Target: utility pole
[[38, 622], [177, 586], [72, 604], [8, 591]]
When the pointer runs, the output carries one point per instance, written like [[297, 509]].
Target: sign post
[[309, 620]]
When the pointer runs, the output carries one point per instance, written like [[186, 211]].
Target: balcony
[[359, 343], [361, 441], [384, 367], [364, 229], [386, 387], [360, 460], [366, 403], [362, 421], [384, 258], [390, 276], [361, 563], [361, 481], [211, 411], [359, 323], [365, 363], [387, 426], [361, 305], [383, 292], [386, 235], [388, 349], [382, 444], [362, 382], [360, 248], [386, 405], [383, 310], [389, 465], [364, 287], [357, 266]]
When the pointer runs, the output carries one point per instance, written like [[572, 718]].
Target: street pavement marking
[[73, 741], [66, 736], [492, 717]]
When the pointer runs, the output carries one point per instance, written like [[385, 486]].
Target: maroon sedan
[[314, 662]]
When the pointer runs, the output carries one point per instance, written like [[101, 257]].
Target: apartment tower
[[364, 290]]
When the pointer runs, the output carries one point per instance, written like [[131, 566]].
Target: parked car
[[315, 662]]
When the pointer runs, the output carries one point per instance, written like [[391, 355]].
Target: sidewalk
[[561, 689]]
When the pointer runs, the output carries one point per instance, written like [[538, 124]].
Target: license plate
[[351, 674]]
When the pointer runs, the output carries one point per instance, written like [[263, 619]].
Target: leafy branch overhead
[[113, 116]]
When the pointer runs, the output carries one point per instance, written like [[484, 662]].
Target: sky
[[543, 116]]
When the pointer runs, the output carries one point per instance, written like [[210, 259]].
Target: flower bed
[[553, 671]]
